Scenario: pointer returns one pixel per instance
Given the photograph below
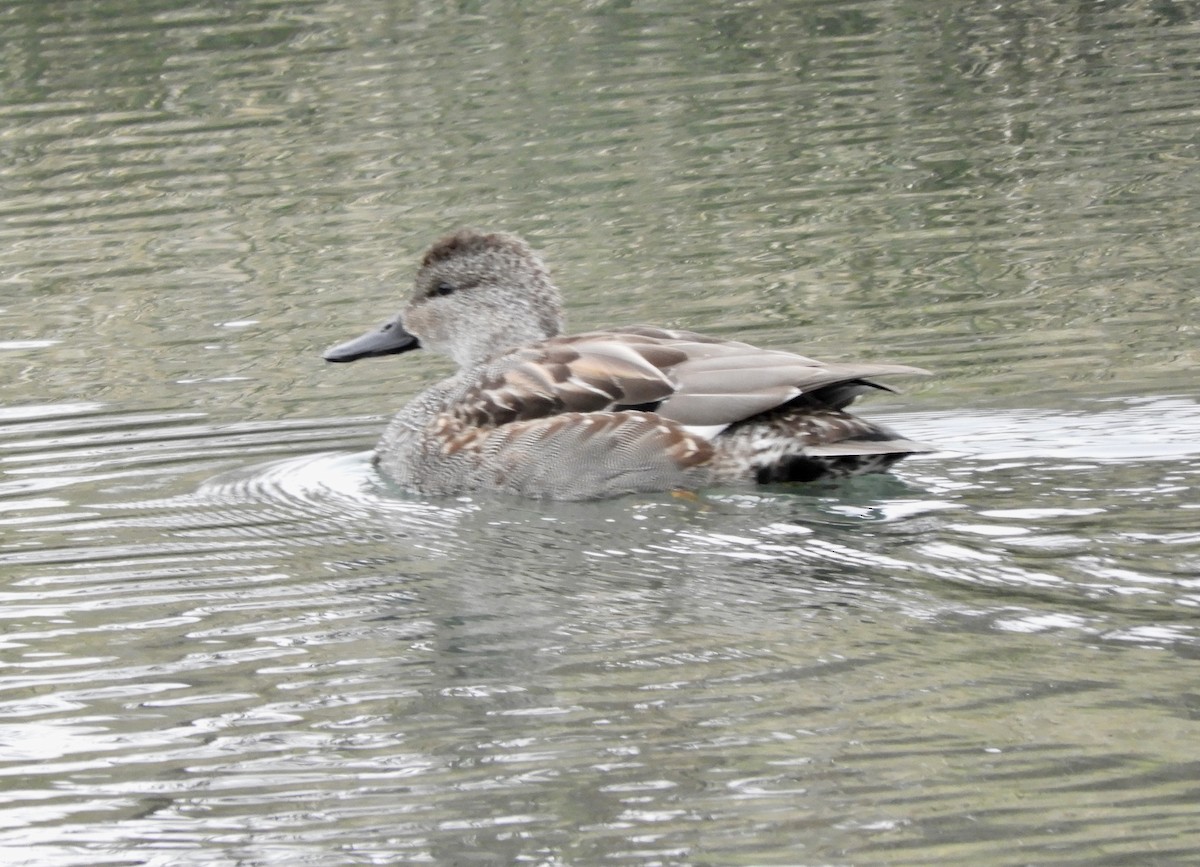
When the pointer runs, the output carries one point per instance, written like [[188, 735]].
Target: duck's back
[[638, 409]]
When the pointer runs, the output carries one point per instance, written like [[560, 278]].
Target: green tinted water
[[225, 642]]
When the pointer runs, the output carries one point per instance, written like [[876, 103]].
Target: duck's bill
[[389, 339]]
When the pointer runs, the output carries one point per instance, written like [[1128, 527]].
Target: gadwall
[[605, 413]]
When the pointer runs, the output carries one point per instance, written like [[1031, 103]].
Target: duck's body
[[607, 412]]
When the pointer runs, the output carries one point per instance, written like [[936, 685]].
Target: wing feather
[[685, 377]]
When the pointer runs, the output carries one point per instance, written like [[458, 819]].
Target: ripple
[[226, 640]]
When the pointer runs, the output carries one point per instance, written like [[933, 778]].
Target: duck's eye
[[443, 288]]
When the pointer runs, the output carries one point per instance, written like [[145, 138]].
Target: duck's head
[[474, 296]]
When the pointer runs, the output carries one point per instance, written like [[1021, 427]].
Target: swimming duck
[[536, 413]]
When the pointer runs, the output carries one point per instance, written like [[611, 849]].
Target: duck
[[538, 413]]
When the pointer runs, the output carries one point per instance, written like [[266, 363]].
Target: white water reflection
[[1137, 429]]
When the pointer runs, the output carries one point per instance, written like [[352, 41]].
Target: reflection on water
[[290, 656], [224, 640]]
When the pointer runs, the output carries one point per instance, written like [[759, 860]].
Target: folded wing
[[694, 380]]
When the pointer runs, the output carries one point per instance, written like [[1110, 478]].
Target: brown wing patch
[[578, 374]]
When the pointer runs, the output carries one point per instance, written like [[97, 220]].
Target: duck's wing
[[581, 374], [721, 382], [697, 381]]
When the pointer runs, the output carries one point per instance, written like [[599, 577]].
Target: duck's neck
[[488, 345]]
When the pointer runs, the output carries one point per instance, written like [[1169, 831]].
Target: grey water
[[225, 641]]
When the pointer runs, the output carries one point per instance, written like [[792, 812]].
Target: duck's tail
[[802, 444]]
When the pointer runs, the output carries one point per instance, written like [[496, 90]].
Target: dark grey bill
[[389, 339]]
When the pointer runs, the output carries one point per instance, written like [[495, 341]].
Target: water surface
[[225, 641]]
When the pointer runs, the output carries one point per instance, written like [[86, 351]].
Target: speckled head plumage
[[477, 294], [466, 242]]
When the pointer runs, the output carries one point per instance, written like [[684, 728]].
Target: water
[[225, 641]]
